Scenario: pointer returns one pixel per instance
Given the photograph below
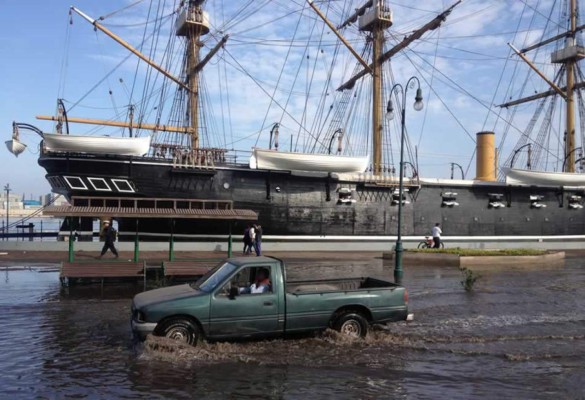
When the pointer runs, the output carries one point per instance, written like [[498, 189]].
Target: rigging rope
[[120, 10], [279, 78], [65, 61]]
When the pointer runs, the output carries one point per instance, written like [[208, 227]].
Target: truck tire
[[181, 329], [351, 323]]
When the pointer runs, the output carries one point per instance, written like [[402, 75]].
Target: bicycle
[[428, 243]]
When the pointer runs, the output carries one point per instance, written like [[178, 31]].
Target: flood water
[[519, 334]]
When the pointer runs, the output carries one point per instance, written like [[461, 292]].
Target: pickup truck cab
[[230, 302]]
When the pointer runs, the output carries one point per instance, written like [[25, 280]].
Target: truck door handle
[[268, 303]]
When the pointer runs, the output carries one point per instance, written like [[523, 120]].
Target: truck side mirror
[[234, 291]]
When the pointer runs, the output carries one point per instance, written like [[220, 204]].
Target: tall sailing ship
[[339, 183]]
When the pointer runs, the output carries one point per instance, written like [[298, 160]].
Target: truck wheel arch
[[357, 308], [184, 316]]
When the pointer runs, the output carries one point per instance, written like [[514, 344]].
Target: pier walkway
[[173, 270], [72, 272]]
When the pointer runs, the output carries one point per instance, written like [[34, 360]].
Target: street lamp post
[[418, 105], [7, 188]]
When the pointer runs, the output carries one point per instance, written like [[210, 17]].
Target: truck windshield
[[213, 278]]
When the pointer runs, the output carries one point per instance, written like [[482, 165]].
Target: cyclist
[[436, 232]]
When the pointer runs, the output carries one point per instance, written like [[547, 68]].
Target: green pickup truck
[[251, 297]]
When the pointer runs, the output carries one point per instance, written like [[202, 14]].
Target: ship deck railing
[[154, 205]]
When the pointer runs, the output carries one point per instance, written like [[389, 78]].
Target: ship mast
[[376, 20], [568, 56], [570, 67], [192, 24], [377, 120]]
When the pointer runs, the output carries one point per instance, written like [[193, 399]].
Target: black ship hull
[[296, 203]]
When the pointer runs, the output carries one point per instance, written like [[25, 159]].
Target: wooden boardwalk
[[188, 268], [73, 271]]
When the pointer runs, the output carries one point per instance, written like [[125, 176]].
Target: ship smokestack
[[486, 157]]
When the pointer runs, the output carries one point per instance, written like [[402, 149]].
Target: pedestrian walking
[[252, 234], [109, 234], [436, 232], [258, 241], [247, 241]]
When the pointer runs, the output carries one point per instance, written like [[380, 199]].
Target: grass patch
[[482, 252]]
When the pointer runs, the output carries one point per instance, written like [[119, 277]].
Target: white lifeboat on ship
[[286, 161], [121, 146], [543, 178]]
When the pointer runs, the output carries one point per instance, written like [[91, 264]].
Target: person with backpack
[[109, 234]]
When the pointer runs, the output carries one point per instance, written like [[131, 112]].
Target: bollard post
[[136, 248], [136, 244], [172, 242], [71, 239], [230, 240]]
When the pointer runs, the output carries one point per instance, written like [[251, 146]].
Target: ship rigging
[[329, 80]]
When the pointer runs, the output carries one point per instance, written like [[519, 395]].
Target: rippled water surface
[[519, 334]]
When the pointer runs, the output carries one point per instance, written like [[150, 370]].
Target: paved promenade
[[159, 256]]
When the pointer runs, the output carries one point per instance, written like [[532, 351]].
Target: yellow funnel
[[486, 157]]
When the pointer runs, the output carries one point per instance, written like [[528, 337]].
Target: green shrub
[[469, 279]]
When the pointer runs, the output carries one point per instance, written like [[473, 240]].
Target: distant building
[[55, 199], [32, 205], [14, 201]]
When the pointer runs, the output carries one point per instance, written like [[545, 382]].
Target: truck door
[[252, 311]]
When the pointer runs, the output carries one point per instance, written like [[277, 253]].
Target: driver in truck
[[261, 285]]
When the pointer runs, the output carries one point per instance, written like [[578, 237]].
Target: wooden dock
[[103, 271], [73, 271], [185, 269]]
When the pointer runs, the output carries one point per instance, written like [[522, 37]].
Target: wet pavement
[[518, 335]]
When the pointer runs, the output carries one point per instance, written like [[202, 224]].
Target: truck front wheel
[[352, 324], [180, 329]]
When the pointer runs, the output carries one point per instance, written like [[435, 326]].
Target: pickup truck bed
[[328, 285]]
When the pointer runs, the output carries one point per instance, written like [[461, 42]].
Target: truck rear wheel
[[352, 324], [181, 329]]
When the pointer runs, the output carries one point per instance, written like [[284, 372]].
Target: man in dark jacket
[[109, 238], [258, 241]]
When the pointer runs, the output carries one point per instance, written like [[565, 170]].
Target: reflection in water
[[518, 335]]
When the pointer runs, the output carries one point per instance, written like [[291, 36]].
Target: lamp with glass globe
[[418, 105]]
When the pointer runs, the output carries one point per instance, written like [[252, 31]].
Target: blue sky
[[468, 51]]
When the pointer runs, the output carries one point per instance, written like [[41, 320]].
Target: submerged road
[[518, 335]]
